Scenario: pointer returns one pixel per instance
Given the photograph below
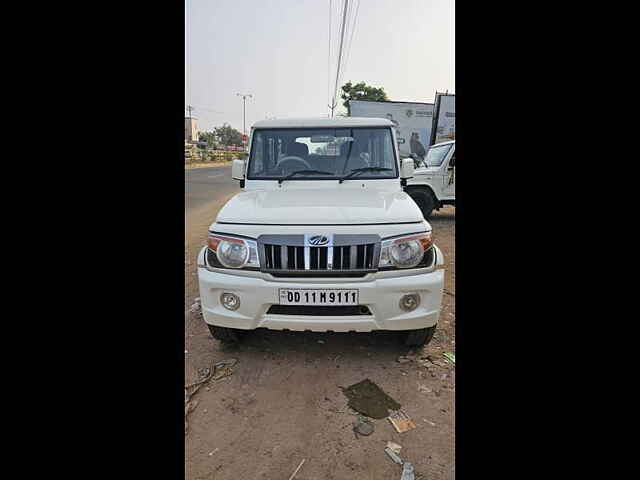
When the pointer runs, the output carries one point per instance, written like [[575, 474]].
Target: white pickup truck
[[434, 180], [322, 237]]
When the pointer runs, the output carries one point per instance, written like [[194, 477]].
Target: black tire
[[425, 202], [226, 335], [420, 337]]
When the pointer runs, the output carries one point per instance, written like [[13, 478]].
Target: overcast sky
[[278, 51]]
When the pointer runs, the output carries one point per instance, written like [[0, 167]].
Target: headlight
[[234, 252], [405, 252]]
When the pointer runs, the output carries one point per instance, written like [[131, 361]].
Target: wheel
[[420, 337], [226, 335], [425, 202]]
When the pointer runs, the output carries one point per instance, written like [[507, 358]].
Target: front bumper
[[379, 292]]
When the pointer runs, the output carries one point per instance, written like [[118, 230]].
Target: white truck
[[322, 237], [444, 118], [413, 121], [427, 134]]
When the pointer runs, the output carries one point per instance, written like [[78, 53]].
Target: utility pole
[[244, 113], [332, 106]]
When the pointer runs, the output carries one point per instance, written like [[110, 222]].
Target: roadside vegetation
[[195, 155], [221, 146]]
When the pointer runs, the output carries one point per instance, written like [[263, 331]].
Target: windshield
[[321, 154], [436, 155]]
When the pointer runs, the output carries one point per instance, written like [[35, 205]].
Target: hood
[[320, 207]]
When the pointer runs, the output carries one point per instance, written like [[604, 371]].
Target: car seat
[[354, 160], [298, 149]]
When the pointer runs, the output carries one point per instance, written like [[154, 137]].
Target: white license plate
[[308, 296]]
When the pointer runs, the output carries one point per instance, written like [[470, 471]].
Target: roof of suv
[[323, 122]]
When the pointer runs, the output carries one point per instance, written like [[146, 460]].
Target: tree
[[361, 91], [228, 135], [208, 137]]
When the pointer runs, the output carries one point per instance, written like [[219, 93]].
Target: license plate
[[307, 296]]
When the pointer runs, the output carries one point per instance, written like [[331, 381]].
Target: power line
[[329, 59], [335, 26], [344, 19], [210, 110], [190, 108], [350, 43], [349, 33], [346, 36]]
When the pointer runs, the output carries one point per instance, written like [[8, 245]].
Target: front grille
[[319, 311], [347, 255], [284, 257]]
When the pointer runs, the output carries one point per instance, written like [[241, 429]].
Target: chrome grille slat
[[307, 258], [267, 254], [284, 256]]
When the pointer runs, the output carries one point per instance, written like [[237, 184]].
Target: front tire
[[226, 335], [425, 202], [420, 337]]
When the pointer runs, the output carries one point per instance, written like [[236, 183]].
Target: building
[[190, 129]]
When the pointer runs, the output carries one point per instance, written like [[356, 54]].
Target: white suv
[[434, 181], [323, 237]]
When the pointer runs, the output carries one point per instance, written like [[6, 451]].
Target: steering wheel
[[293, 159]]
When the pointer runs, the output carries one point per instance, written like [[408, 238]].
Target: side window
[[436, 155]]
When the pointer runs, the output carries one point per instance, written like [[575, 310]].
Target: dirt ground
[[283, 402]]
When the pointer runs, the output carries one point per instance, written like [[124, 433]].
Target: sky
[[278, 51]]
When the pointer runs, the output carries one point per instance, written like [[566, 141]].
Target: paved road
[[206, 185], [206, 190]]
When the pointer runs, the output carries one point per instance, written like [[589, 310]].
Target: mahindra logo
[[318, 240]]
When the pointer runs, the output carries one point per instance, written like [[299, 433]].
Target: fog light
[[230, 301], [410, 302]]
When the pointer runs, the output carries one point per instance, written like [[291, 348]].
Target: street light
[[244, 114]]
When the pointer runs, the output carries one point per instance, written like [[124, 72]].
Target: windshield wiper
[[364, 169], [301, 172]]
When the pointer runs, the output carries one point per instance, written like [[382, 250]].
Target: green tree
[[361, 91], [228, 135], [208, 137]]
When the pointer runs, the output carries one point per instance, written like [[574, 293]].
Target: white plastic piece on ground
[[393, 456], [394, 447]]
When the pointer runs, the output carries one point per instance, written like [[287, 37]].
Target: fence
[[193, 154]]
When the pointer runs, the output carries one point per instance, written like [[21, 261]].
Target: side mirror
[[452, 163], [407, 168], [237, 170], [417, 161]]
